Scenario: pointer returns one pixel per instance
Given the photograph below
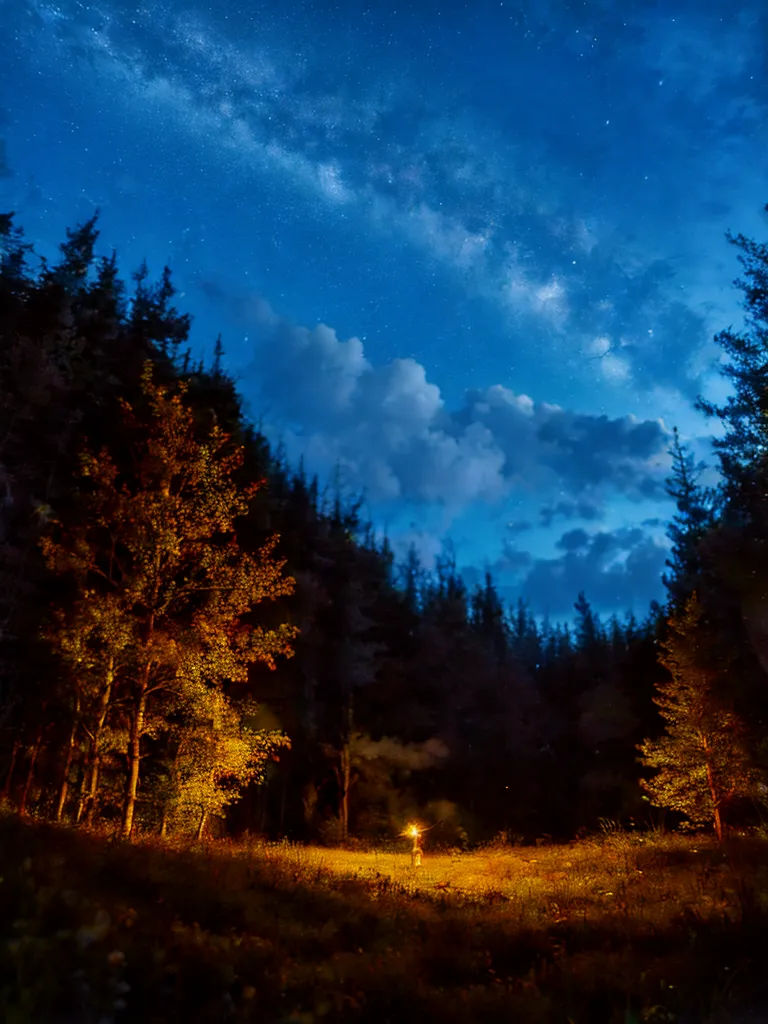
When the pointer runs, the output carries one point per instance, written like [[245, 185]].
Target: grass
[[619, 928]]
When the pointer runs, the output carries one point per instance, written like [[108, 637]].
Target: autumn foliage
[[157, 625]]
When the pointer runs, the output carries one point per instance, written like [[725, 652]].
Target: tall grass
[[619, 927]]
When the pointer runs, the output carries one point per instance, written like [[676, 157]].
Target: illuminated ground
[[615, 929]]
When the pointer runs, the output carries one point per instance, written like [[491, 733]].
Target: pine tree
[[489, 621], [695, 515], [152, 316], [743, 449], [589, 631], [157, 539], [701, 761]]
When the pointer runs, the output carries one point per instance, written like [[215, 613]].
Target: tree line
[[195, 636]]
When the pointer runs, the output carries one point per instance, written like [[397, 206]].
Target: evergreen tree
[[702, 761], [743, 449], [694, 517], [489, 621], [588, 630]]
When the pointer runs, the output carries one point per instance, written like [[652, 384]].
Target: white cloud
[[388, 426]]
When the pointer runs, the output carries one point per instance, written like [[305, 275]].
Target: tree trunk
[[90, 786], [718, 825], [174, 791], [718, 821], [31, 772], [201, 825], [344, 780], [90, 800], [14, 754], [344, 773], [134, 758], [63, 792]]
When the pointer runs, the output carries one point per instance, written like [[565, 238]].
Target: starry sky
[[472, 255]]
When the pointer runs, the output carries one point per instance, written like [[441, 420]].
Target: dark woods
[[194, 637]]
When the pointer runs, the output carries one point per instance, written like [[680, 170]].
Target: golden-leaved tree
[[702, 760], [162, 617]]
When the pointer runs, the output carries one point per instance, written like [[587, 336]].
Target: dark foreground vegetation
[[612, 930]]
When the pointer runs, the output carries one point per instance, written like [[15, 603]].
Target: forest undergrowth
[[622, 927]]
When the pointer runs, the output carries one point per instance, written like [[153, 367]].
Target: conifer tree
[[489, 621], [743, 447], [589, 632], [702, 761], [695, 515]]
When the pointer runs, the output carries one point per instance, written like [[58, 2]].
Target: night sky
[[473, 254]]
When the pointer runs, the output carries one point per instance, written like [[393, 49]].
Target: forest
[[196, 636], [200, 642]]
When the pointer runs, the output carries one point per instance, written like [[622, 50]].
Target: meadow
[[620, 927]]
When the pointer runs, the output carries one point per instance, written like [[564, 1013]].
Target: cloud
[[512, 560], [516, 526], [615, 569], [654, 523], [581, 509], [573, 540], [389, 429], [543, 442]]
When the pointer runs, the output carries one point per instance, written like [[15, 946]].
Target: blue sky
[[473, 254]]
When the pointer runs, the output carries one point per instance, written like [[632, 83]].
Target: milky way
[[475, 258]]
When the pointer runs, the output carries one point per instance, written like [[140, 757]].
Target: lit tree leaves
[[702, 761], [159, 573]]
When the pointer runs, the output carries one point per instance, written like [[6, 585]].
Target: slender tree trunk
[[31, 771], [718, 825], [345, 774], [90, 802], [201, 825], [718, 821], [164, 819], [134, 757], [87, 802], [174, 791], [14, 754], [64, 791], [137, 730]]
